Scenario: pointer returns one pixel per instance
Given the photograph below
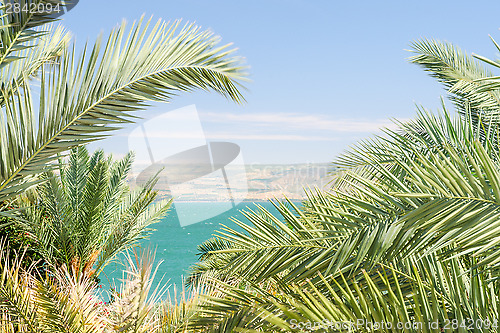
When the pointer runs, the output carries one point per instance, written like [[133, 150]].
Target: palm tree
[[82, 96], [408, 233], [88, 213]]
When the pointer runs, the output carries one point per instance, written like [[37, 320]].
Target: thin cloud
[[269, 137], [265, 127], [300, 121], [228, 136]]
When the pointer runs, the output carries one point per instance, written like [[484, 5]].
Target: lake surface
[[176, 246]]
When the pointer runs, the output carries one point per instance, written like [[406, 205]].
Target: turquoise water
[[176, 246]]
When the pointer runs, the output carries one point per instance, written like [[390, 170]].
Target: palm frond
[[461, 75], [18, 27], [84, 97]]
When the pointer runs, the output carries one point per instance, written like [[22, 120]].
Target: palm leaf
[[460, 74], [86, 96], [18, 27]]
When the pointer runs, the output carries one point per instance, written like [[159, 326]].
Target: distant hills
[[254, 182], [276, 180]]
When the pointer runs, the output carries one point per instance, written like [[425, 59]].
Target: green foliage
[[88, 214], [18, 241], [408, 231], [82, 214], [62, 303], [18, 29]]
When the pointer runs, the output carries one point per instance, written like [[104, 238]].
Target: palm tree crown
[[89, 214]]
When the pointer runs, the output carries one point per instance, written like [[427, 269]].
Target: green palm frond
[[461, 75], [266, 249], [43, 51], [85, 96], [454, 184], [134, 225], [180, 306], [18, 28]]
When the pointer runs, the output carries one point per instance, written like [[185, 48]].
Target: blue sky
[[324, 73]]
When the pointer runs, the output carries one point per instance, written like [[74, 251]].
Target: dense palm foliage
[[408, 233], [54, 99], [62, 302], [88, 214]]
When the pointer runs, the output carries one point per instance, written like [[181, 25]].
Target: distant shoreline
[[243, 201]]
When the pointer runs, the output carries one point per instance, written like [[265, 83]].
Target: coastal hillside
[[254, 182], [270, 181]]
